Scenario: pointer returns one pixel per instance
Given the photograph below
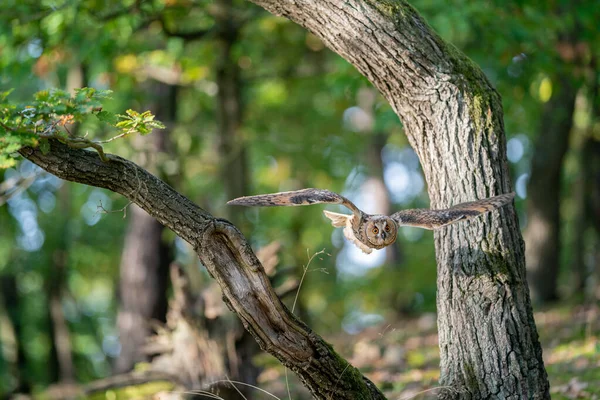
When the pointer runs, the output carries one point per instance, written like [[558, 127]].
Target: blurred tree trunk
[[55, 288], [586, 190], [146, 257], [13, 304], [56, 280], [587, 224], [587, 221], [232, 149], [240, 346], [542, 235]]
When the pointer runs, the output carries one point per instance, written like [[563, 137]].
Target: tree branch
[[229, 259]]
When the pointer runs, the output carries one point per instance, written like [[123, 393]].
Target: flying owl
[[367, 231]]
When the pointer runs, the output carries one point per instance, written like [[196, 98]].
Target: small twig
[[128, 132], [6, 127], [287, 384], [249, 385], [236, 389], [305, 270], [340, 377], [100, 209], [199, 392], [14, 186], [76, 143], [382, 333]]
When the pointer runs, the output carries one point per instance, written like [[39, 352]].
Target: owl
[[368, 231]]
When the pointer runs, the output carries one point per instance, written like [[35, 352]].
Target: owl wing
[[296, 198], [434, 219]]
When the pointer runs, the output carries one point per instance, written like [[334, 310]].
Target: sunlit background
[[303, 118]]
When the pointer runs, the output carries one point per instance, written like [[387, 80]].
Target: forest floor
[[402, 358]]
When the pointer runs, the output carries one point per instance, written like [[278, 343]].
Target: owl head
[[381, 231]]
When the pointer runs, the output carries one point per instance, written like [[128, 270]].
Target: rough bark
[[453, 118], [144, 267], [229, 259], [542, 235]]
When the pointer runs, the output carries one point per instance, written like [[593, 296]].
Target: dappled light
[[126, 127]]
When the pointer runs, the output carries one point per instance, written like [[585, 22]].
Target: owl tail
[[337, 220]]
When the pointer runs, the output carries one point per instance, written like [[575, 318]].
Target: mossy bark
[[453, 118]]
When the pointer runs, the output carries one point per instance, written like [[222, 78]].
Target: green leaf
[[107, 117], [4, 95], [44, 146]]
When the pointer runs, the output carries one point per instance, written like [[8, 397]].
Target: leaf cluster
[[51, 112]]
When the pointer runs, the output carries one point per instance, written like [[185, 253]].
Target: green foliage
[[135, 122], [294, 94], [51, 112]]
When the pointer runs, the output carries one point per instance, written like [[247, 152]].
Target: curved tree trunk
[[453, 118], [542, 236], [247, 290]]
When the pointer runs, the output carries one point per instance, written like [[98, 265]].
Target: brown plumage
[[375, 231], [434, 219]]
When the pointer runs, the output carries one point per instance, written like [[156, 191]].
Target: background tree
[[296, 89]]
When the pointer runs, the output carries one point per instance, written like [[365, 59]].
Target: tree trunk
[[453, 118], [57, 277], [234, 171], [542, 235], [587, 197], [56, 281], [145, 259], [13, 304], [246, 288], [234, 175]]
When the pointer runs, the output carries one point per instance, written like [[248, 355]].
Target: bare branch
[[228, 257]]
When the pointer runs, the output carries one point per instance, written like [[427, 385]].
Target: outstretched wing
[[296, 198], [434, 219]]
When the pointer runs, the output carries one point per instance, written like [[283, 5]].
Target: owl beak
[[383, 235]]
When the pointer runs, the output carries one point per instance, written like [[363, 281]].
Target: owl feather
[[373, 231], [435, 219]]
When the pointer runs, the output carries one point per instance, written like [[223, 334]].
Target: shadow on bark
[[487, 293]]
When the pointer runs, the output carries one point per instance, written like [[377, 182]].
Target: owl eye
[[375, 231], [387, 228]]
